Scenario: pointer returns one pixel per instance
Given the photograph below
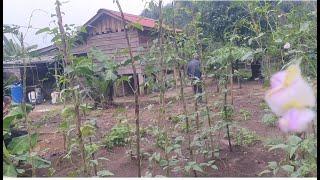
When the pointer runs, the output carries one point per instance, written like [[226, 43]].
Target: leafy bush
[[264, 105], [269, 119], [117, 136], [245, 137], [300, 159], [246, 114]]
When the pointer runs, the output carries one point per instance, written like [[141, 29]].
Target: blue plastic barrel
[[16, 93]]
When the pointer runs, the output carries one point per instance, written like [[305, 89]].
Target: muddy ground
[[243, 161]]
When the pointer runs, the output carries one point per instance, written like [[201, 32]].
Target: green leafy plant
[[246, 114], [269, 119], [300, 160], [264, 106], [117, 136], [245, 137]]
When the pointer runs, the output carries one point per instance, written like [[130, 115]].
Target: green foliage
[[15, 113], [117, 136], [264, 106], [161, 138], [273, 141], [12, 50], [244, 74], [269, 119], [246, 114], [301, 156], [193, 166], [245, 137], [227, 54], [104, 173], [9, 170], [228, 113], [20, 145], [87, 130], [102, 77]]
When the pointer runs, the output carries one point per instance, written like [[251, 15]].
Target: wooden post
[[56, 75], [141, 81], [63, 34], [136, 95], [123, 92]]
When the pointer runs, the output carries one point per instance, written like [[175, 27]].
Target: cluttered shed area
[[40, 75]]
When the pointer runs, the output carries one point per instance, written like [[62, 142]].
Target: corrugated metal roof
[[41, 59], [146, 22]]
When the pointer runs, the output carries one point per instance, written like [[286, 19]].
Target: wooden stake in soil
[[63, 35], [78, 126], [182, 91], [205, 93], [162, 70], [23, 104], [197, 114], [225, 114], [136, 96]]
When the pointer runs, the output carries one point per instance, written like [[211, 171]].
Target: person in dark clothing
[[194, 72]]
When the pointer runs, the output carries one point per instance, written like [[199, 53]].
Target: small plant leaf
[[196, 167], [288, 168], [46, 29], [20, 145], [214, 167], [104, 173], [9, 170], [264, 172], [273, 165], [278, 146]]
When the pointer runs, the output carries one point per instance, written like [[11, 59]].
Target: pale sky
[[76, 12]]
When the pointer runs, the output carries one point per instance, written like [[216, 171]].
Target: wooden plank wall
[[108, 36], [114, 45], [104, 25]]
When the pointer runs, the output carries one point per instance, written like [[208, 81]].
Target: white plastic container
[[55, 97]]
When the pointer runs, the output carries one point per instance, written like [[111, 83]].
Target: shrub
[[269, 119], [118, 136], [264, 105], [245, 137], [246, 114]]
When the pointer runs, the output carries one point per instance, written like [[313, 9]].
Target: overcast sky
[[76, 12]]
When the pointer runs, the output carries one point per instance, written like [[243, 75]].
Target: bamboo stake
[[136, 96], [78, 126], [182, 90], [24, 106], [63, 34], [205, 95]]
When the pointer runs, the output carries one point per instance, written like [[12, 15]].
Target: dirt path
[[242, 162]]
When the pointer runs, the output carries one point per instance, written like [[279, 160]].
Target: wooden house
[[105, 32]]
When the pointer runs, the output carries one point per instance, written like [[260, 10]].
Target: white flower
[[286, 46]]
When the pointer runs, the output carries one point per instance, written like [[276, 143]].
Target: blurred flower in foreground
[[296, 120], [289, 97], [286, 46]]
